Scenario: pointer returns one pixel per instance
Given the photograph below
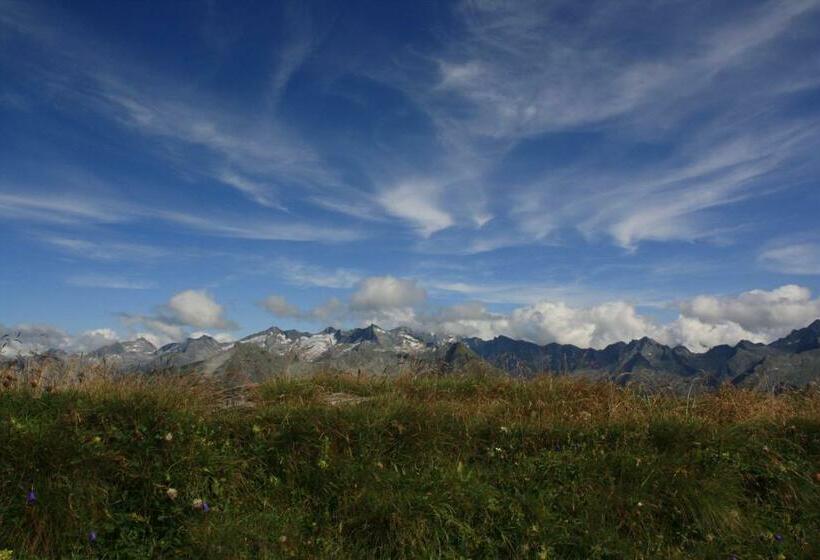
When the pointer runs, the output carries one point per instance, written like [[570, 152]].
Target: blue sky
[[579, 172]]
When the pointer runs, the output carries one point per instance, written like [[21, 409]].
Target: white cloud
[[186, 311], [386, 300], [544, 322], [699, 336], [417, 202], [158, 330], [387, 292], [280, 307], [769, 313], [704, 321], [157, 340], [93, 339], [26, 339], [196, 308], [595, 326]]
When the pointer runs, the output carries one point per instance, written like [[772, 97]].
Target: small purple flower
[[778, 537], [31, 497], [205, 507], [92, 537]]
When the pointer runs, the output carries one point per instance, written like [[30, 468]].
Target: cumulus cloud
[[89, 341], [759, 311], [196, 308], [26, 339], [595, 326], [280, 307], [704, 321], [377, 299], [186, 311], [387, 292], [699, 336]]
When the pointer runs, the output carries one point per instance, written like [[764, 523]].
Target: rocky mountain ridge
[[792, 361]]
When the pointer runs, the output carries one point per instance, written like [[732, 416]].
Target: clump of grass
[[417, 466]]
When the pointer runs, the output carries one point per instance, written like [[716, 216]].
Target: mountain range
[[792, 361]]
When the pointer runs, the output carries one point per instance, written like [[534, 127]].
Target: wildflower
[[640, 504], [92, 537], [283, 539], [96, 440], [201, 505], [171, 493], [778, 537], [169, 437], [505, 429], [323, 464], [31, 497]]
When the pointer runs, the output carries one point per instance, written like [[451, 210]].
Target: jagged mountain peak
[[800, 340], [201, 341], [792, 359]]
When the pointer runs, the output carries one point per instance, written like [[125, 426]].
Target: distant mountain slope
[[792, 361]]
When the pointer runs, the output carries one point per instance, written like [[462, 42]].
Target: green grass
[[449, 467]]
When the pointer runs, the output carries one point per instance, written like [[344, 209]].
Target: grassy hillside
[[449, 467]]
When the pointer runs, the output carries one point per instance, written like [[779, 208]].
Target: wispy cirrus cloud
[[105, 250], [508, 75], [71, 209], [60, 208], [520, 73], [250, 150], [304, 274], [797, 257], [109, 282]]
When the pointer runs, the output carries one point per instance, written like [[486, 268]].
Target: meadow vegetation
[[457, 466]]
